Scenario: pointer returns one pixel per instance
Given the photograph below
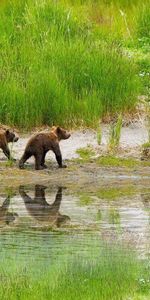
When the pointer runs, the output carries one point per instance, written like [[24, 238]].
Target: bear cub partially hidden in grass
[[7, 136], [41, 143]]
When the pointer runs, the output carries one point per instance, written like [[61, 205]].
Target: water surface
[[43, 220]]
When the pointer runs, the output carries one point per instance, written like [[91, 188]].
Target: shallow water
[[45, 220]]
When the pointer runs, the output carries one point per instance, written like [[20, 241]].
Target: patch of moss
[[85, 153], [146, 145], [85, 200], [10, 163], [114, 216], [114, 161], [115, 192]]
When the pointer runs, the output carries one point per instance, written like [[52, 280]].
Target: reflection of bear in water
[[5, 216], [146, 200], [40, 209]]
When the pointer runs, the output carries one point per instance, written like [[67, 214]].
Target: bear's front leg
[[43, 161], [59, 160], [59, 156], [6, 151], [38, 161]]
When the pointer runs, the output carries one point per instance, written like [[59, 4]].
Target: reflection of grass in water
[[99, 215], [114, 216], [88, 269]]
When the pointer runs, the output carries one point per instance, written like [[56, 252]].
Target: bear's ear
[[58, 129], [7, 132]]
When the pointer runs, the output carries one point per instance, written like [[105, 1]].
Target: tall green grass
[[143, 28], [55, 68]]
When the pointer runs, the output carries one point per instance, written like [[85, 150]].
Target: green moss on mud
[[146, 145], [114, 161], [86, 153], [116, 192]]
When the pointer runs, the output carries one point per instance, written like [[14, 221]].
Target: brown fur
[[41, 143], [7, 136]]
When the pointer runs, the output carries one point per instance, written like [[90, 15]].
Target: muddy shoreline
[[75, 174]]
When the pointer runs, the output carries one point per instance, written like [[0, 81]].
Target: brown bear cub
[[7, 136], [41, 143]]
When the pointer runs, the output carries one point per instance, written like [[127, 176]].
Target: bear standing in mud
[[41, 143], [7, 136]]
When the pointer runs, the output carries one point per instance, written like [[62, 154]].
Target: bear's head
[[61, 133], [11, 136]]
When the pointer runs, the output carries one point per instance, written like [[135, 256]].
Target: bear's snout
[[68, 135], [16, 138]]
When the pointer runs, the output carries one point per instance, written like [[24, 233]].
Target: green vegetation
[[9, 163], [114, 161], [109, 193], [112, 193], [69, 62], [95, 271], [148, 122], [114, 216], [114, 135], [99, 134], [86, 153], [143, 27], [146, 145], [85, 199]]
